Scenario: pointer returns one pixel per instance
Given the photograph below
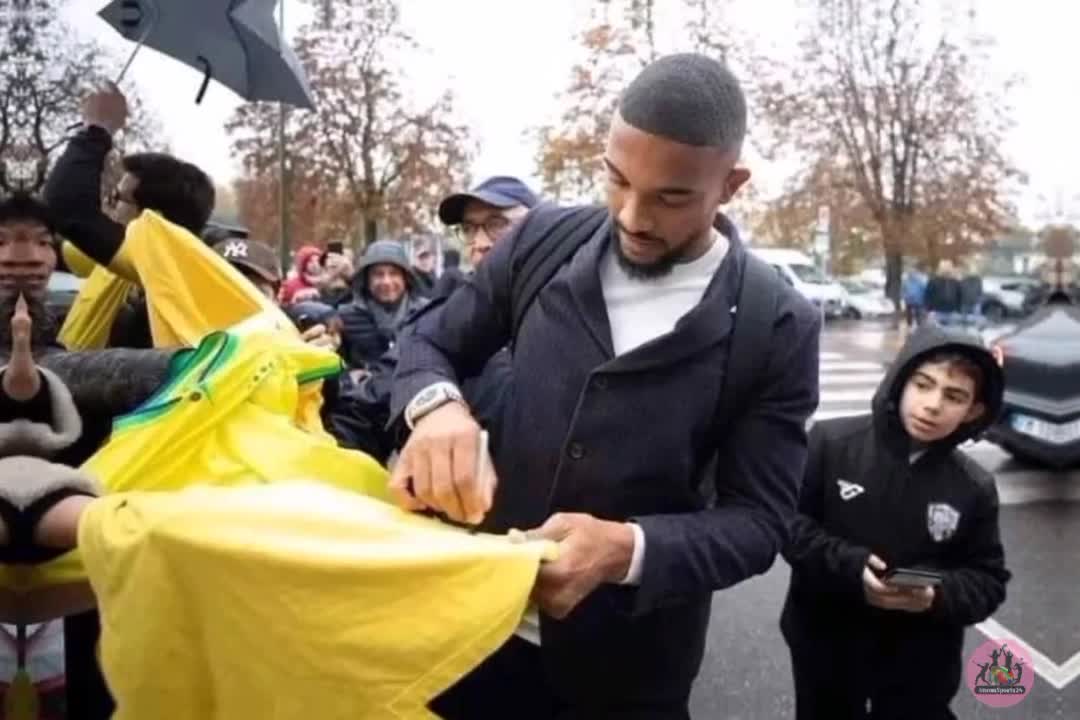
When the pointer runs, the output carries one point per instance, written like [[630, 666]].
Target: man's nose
[[481, 236], [633, 217]]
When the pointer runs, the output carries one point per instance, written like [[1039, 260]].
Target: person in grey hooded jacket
[[384, 297]]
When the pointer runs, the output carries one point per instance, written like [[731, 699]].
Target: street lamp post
[[822, 239], [283, 180]]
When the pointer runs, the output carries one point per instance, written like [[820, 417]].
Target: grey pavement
[[747, 671]]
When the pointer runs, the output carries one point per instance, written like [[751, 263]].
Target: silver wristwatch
[[431, 398]]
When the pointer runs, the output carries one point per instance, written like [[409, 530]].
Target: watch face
[[427, 396]]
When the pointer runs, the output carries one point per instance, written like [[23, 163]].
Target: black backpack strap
[[750, 346], [562, 232]]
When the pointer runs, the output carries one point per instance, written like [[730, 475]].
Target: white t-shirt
[[640, 310]]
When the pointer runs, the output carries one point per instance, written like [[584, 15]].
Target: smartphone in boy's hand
[[912, 578], [880, 594]]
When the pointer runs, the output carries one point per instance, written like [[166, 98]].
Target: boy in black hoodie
[[890, 490]]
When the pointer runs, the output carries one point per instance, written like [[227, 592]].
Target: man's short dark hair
[[24, 207], [687, 98], [180, 191]]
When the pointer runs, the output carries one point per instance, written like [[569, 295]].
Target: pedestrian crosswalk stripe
[[842, 412], [1058, 676], [835, 366], [840, 396], [870, 379]]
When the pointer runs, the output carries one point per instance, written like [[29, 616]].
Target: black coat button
[[577, 451], [600, 383]]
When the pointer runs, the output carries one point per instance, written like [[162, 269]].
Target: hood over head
[[304, 254], [382, 252], [927, 341]]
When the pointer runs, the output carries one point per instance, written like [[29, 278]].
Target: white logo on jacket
[[849, 490], [941, 521]]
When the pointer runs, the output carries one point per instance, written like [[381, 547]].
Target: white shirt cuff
[[637, 559]]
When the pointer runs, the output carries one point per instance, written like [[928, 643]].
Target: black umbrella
[[235, 42]]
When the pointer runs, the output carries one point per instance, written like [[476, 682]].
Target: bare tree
[[890, 94], [619, 39], [373, 157], [45, 71], [791, 220]]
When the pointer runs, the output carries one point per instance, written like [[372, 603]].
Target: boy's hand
[[882, 595]]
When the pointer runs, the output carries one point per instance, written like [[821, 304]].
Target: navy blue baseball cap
[[501, 191]]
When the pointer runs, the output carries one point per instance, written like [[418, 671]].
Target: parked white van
[[802, 274]]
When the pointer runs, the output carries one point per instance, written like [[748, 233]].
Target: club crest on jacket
[[941, 521]]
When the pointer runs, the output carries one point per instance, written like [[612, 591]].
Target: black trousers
[[823, 692], [512, 683], [509, 684], [87, 696]]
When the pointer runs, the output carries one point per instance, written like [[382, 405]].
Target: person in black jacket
[[617, 441], [944, 295], [423, 269], [890, 490], [452, 276], [180, 192], [971, 295]]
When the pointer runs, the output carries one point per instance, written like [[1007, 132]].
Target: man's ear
[[977, 410], [738, 177]]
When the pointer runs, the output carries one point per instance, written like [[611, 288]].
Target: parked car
[[865, 301], [61, 292], [1003, 297], [799, 271], [1040, 421]]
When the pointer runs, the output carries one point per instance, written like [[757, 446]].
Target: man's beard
[[654, 270], [44, 328]]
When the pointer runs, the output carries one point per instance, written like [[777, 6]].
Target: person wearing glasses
[[481, 217], [179, 191]]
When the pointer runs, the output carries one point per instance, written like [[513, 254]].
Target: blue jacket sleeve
[[759, 468]]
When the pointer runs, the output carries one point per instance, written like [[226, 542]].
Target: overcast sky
[[507, 59]]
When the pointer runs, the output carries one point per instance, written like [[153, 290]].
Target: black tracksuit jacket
[[863, 494]]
